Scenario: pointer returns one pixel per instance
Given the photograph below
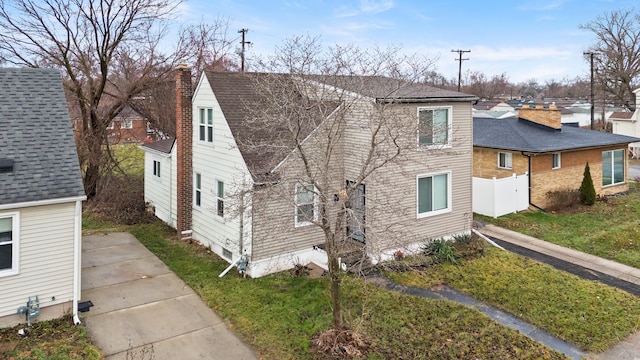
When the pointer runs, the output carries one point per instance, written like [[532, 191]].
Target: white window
[[434, 126], [556, 161], [205, 128], [126, 124], [9, 240], [433, 194], [220, 199], [504, 161], [306, 204], [197, 190], [156, 168], [613, 167]]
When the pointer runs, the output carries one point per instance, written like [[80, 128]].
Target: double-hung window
[[197, 190], [156, 168], [613, 167], [434, 126], [505, 160], [434, 194], [205, 125], [306, 204], [126, 124], [9, 237], [555, 161], [220, 199]]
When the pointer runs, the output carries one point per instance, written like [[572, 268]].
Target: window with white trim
[[306, 204], [555, 162], [126, 124], [505, 160], [9, 240], [433, 194], [156, 168], [197, 190], [205, 125], [434, 126], [613, 167], [220, 199]]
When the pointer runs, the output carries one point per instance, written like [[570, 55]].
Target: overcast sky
[[538, 39]]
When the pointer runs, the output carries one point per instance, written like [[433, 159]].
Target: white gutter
[[77, 246], [42, 202]]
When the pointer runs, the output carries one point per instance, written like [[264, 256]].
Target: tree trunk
[[335, 280], [91, 176]]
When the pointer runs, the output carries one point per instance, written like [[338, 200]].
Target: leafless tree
[[316, 104], [617, 49]]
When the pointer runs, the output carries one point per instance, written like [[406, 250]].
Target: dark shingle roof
[[163, 146], [621, 115], [35, 132], [237, 92], [384, 88], [524, 135]]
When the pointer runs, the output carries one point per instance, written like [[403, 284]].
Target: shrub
[[442, 250], [587, 190], [560, 199], [120, 199]]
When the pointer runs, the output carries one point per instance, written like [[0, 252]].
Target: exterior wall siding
[[46, 262], [158, 190], [218, 161]]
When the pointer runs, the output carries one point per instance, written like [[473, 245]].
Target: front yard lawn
[[609, 229], [587, 313], [278, 315]]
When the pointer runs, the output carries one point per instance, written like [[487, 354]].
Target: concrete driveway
[[634, 171], [142, 310]]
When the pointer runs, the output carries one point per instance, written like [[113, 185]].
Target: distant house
[[190, 183], [628, 123], [552, 155], [128, 127], [42, 192]]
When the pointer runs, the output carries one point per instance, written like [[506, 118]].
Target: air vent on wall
[[6, 165]]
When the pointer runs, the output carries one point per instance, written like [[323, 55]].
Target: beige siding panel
[[220, 161], [46, 258]]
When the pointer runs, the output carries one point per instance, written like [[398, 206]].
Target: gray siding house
[[41, 197], [247, 189]]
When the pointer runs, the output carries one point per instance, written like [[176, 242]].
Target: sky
[[525, 39]]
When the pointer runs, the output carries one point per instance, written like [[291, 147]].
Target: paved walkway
[[142, 310], [628, 349]]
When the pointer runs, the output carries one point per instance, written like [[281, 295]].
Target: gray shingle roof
[[163, 146], [524, 135], [35, 132]]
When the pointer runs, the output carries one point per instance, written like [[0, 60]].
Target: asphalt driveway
[[142, 310]]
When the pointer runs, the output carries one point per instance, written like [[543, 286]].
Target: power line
[[243, 42], [460, 60]]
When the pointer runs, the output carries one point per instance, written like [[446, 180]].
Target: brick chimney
[[548, 117], [184, 139]]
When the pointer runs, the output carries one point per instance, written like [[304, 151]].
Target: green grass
[[607, 229], [55, 339], [587, 313], [278, 315], [130, 158]]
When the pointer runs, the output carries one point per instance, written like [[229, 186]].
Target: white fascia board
[[42, 202]]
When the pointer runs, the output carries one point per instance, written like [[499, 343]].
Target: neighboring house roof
[[626, 115], [524, 135], [35, 132], [163, 146]]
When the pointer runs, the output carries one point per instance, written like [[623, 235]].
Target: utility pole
[[460, 60], [593, 106], [243, 42]]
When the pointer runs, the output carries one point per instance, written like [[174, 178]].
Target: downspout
[[241, 227], [77, 242], [528, 155]]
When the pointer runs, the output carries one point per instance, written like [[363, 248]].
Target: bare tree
[[107, 52], [316, 104], [618, 53]]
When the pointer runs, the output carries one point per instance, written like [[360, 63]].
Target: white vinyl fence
[[497, 197]]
